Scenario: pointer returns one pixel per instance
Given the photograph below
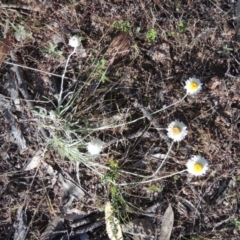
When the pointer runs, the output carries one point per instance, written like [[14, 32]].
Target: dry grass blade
[[35, 161], [167, 224], [119, 47], [5, 46]]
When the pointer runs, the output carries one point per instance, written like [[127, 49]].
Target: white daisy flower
[[193, 86], [95, 146], [177, 131], [197, 165], [74, 42]]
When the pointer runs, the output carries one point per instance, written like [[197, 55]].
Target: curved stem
[[151, 180], [63, 76], [135, 120], [164, 108], [163, 161], [158, 169]]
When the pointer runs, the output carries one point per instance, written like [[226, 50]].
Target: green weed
[[20, 33], [171, 33], [112, 175], [123, 26], [100, 71], [151, 35], [51, 49], [182, 26], [155, 189], [225, 52], [119, 204], [175, 178], [236, 224]]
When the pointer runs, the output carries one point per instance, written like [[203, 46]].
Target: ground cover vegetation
[[119, 119]]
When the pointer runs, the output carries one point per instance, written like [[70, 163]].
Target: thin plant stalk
[[151, 180], [163, 161], [34, 69], [63, 76], [135, 120], [158, 169]]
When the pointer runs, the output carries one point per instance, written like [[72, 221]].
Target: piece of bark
[[5, 46]]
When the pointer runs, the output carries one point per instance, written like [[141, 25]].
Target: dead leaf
[[160, 53], [140, 229], [34, 162], [4, 103], [119, 47], [167, 224], [5, 46], [20, 225], [48, 169], [190, 206], [74, 214], [113, 226], [110, 120], [14, 133], [12, 89], [182, 209], [70, 188], [214, 83], [55, 224]]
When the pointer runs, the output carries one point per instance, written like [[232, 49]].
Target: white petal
[[181, 135], [197, 159], [95, 147], [74, 42], [188, 88]]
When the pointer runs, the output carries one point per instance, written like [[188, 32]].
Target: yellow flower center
[[176, 130], [198, 167], [193, 86]]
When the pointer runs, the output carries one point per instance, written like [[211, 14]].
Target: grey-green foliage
[[20, 33], [225, 52], [51, 49]]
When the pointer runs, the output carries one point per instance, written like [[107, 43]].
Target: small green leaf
[[176, 177], [123, 26], [155, 189], [171, 33], [151, 35], [182, 26]]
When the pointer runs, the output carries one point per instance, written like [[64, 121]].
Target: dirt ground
[[134, 59]]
